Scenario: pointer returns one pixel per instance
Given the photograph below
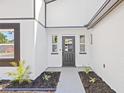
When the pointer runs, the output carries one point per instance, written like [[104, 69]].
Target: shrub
[[22, 74], [92, 80], [46, 77], [87, 70]]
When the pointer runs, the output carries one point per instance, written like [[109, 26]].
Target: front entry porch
[[80, 80]]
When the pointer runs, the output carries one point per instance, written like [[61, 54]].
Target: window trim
[[8, 62], [82, 43], [53, 43]]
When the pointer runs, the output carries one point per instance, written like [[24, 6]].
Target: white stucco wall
[[40, 11], [16, 8], [41, 43], [72, 12], [41, 49], [56, 60], [33, 48], [33, 37], [26, 46], [108, 49]]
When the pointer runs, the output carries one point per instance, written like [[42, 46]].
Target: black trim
[[54, 53], [40, 23], [34, 9], [17, 18], [82, 53], [105, 14], [16, 59], [57, 26], [91, 39], [45, 15], [99, 11], [50, 1], [67, 27], [23, 18], [91, 24]]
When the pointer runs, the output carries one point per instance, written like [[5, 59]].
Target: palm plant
[[22, 74]]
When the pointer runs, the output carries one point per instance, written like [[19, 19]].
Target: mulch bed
[[53, 79], [95, 86], [45, 80]]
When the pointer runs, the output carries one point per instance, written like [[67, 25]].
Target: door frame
[[74, 50]]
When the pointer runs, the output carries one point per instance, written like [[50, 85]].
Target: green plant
[[46, 77], [22, 74], [55, 39], [87, 70], [92, 80]]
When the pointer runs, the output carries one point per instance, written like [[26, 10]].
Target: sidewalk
[[70, 81]]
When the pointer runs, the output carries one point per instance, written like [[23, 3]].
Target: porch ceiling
[[70, 13]]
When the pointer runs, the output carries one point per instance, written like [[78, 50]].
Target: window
[[54, 44], [9, 43], [6, 43], [82, 44], [68, 45]]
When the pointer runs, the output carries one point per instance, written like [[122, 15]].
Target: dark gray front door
[[68, 50]]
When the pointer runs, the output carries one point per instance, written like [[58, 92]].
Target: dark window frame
[[8, 62]]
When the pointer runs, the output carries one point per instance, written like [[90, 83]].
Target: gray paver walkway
[[70, 81]]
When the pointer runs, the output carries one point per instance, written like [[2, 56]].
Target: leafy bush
[[87, 70], [92, 80], [22, 74], [46, 77]]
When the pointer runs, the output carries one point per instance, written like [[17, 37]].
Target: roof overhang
[[106, 8]]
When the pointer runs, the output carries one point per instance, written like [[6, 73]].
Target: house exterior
[[65, 33]]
